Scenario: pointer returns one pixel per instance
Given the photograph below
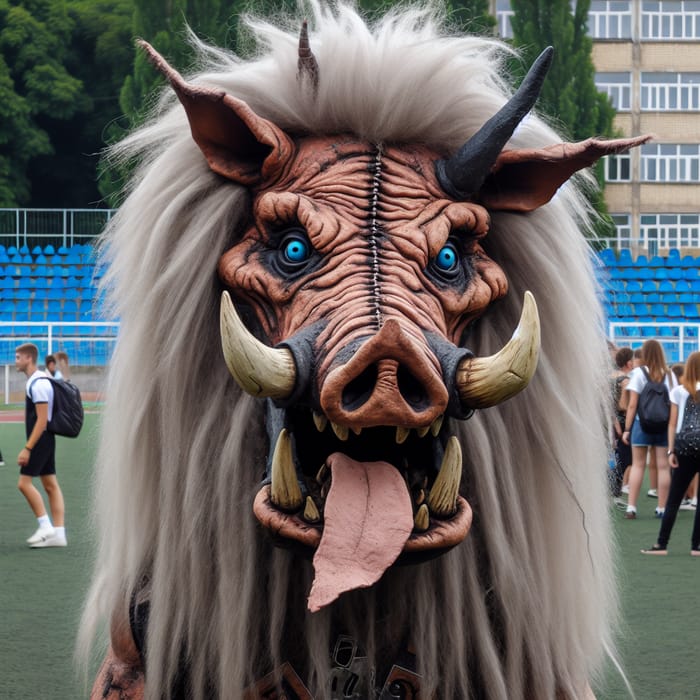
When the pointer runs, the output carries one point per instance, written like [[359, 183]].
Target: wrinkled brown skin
[[121, 675], [373, 271]]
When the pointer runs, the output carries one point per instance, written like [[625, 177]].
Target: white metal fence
[[678, 339], [58, 227]]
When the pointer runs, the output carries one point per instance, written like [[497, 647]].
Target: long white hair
[[524, 607]]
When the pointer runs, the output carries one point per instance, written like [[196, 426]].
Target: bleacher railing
[[59, 227], [88, 343], [677, 339]]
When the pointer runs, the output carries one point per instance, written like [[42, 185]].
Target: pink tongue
[[367, 519]]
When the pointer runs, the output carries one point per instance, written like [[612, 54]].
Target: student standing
[[685, 415], [37, 458]]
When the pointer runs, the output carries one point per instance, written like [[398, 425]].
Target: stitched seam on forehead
[[374, 233]]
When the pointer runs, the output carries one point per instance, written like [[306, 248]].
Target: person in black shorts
[[37, 458]]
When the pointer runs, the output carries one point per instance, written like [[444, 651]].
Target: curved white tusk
[[487, 381], [259, 369]]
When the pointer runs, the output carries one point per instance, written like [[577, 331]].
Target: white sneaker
[[652, 493], [53, 540], [687, 504], [40, 535]]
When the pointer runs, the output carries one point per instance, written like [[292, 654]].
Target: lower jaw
[[290, 530]]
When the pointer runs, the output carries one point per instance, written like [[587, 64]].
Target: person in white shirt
[[684, 466], [654, 367], [38, 457]]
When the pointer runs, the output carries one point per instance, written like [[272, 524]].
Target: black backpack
[[67, 416], [654, 406]]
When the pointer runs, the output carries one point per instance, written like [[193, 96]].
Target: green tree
[[569, 94], [472, 16], [36, 88]]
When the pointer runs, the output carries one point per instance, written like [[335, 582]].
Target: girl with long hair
[[653, 368], [684, 467]]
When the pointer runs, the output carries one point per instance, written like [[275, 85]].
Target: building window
[[618, 88], [624, 229], [671, 230], [610, 20], [665, 20], [670, 162], [670, 92], [618, 168], [503, 17]]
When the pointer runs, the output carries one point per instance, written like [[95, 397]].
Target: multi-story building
[[647, 58]]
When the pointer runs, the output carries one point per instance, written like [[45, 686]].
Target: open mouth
[[362, 491]]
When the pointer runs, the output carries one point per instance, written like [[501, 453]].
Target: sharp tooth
[[435, 427], [357, 431], [284, 490], [321, 421], [422, 520], [311, 514], [420, 497], [443, 496], [341, 431], [401, 435], [321, 474], [422, 432]]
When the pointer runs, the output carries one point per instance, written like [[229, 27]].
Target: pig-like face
[[357, 272]]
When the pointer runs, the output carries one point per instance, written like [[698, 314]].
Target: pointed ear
[[524, 179], [236, 142]]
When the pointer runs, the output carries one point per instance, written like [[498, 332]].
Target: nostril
[[412, 390], [357, 392]]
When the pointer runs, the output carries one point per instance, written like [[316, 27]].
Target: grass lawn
[[41, 591]]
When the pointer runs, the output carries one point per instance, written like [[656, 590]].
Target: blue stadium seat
[[23, 293], [4, 258], [653, 298], [645, 273], [674, 258], [674, 310], [658, 310], [660, 273], [616, 285], [641, 261], [656, 261], [634, 286], [688, 261], [666, 286], [56, 259], [25, 282], [690, 311], [641, 310], [687, 298], [62, 250], [669, 298], [22, 316], [624, 310], [27, 259], [53, 316], [625, 257], [691, 273], [649, 331], [70, 306], [55, 293], [607, 257], [638, 298], [49, 250], [41, 283], [668, 331], [36, 250], [649, 286], [682, 286], [24, 250], [628, 273], [675, 273], [7, 283], [16, 259], [695, 285], [11, 250], [22, 305]]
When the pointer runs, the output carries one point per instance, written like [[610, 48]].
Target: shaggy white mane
[[524, 607]]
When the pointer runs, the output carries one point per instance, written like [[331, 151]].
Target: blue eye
[[296, 250], [446, 259]]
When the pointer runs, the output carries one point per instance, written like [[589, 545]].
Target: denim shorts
[[639, 438]]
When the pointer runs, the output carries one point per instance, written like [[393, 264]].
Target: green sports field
[[41, 591]]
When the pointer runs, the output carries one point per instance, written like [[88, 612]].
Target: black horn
[[462, 175]]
